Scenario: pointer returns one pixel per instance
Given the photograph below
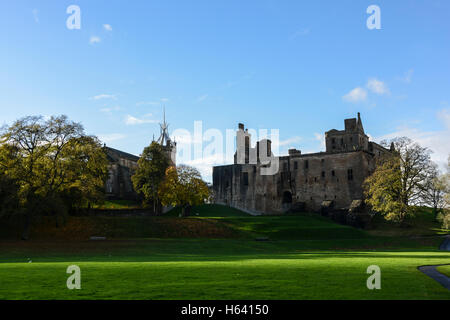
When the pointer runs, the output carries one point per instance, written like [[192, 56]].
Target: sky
[[301, 67]]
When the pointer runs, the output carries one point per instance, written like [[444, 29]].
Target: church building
[[122, 166]]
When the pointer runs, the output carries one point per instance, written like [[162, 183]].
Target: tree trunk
[[186, 210], [158, 208], [26, 228]]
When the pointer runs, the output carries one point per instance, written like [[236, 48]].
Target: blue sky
[[297, 66]]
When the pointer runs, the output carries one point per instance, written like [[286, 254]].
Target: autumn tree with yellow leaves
[[183, 186]]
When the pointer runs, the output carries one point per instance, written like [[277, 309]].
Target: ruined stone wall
[[330, 177], [303, 180]]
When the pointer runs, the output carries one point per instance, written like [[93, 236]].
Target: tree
[[9, 202], [397, 182], [150, 173], [434, 189], [53, 163], [445, 179], [85, 171], [183, 186]]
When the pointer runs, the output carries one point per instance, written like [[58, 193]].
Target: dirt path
[[436, 275], [431, 270]]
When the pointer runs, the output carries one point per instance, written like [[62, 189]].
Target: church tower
[[164, 140]]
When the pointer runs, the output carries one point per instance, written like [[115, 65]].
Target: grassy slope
[[212, 221], [309, 258], [209, 210], [298, 227], [118, 204], [444, 270], [422, 223]]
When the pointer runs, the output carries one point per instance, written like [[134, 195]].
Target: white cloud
[[318, 136], [104, 96], [186, 138], [356, 95], [110, 137], [107, 27], [377, 86], [444, 116], [94, 39], [287, 142], [36, 15], [202, 98], [321, 138], [130, 120], [359, 94], [205, 164], [436, 141], [164, 99], [407, 77], [233, 83], [300, 33], [281, 147], [110, 109], [144, 103]]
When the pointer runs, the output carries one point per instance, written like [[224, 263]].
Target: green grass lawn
[[214, 255], [118, 204], [444, 270], [215, 269]]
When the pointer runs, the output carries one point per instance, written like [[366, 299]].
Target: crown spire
[[164, 138]]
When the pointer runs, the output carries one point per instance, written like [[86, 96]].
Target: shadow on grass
[[157, 250]]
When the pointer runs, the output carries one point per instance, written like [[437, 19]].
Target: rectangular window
[[333, 173], [323, 174], [245, 178], [295, 165], [306, 164], [350, 174]]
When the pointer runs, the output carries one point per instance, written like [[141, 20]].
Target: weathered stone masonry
[[304, 181]]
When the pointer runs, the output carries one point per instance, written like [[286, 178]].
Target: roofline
[[129, 155]]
